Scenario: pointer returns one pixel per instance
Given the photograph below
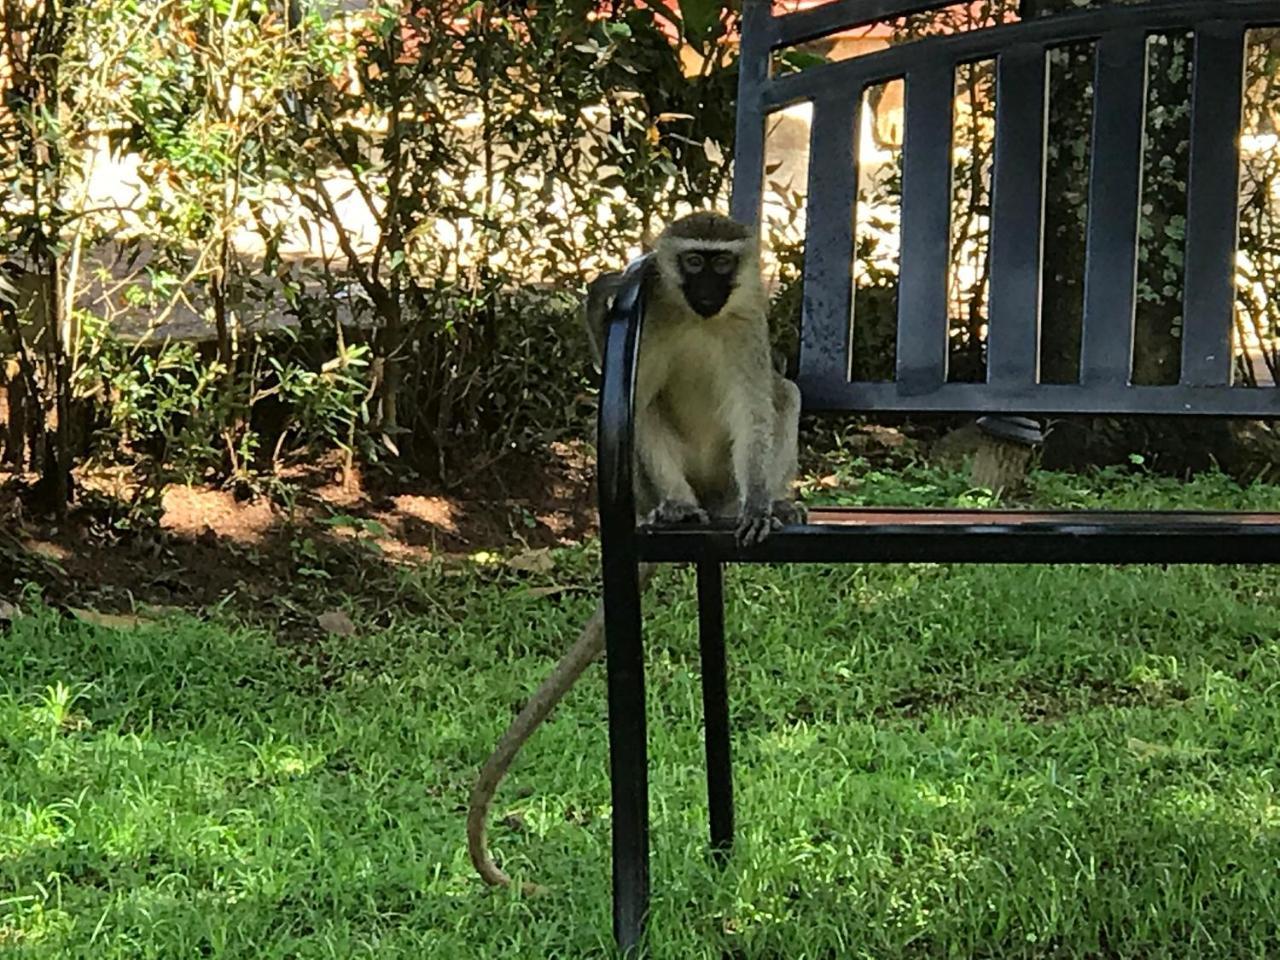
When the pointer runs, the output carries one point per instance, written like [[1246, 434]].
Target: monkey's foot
[[672, 512], [788, 512]]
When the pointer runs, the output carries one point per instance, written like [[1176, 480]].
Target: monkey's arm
[[753, 430], [596, 304], [752, 445]]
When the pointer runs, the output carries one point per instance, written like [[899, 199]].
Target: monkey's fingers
[[753, 528]]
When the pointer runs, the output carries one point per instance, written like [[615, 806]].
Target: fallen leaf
[[533, 561], [49, 551], [113, 621], [547, 591], [336, 622], [8, 612]]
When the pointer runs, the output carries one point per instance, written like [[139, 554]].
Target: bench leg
[[628, 763], [715, 706]]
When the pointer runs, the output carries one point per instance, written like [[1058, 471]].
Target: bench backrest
[[1020, 50]]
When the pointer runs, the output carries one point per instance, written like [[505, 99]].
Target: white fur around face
[[681, 244]]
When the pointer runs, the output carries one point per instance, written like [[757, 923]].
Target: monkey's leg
[[586, 649], [662, 456]]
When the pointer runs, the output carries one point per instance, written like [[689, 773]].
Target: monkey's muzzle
[[707, 295]]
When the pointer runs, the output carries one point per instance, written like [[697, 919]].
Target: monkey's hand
[[755, 523], [672, 512]]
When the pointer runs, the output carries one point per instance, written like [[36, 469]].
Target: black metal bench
[[1012, 383]]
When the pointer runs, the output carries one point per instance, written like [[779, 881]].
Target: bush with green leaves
[[173, 411], [498, 151], [463, 169], [497, 155]]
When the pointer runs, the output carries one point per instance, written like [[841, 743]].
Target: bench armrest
[[616, 426]]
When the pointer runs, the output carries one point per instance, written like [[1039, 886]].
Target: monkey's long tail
[[588, 646]]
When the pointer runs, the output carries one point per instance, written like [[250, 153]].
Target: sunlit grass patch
[[931, 761]]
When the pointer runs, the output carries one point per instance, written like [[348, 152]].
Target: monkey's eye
[[692, 262], [724, 264]]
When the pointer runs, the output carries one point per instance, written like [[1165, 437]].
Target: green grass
[[931, 762]]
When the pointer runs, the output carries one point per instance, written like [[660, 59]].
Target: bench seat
[[880, 535]]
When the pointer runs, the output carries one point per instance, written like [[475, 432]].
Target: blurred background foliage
[[236, 232]]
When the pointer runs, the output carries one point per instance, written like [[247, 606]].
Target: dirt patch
[[1035, 703], [271, 549], [191, 511], [211, 545]]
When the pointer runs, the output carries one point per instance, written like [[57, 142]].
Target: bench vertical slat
[[748, 151], [1017, 236], [828, 254], [926, 229], [1115, 192], [1212, 198]]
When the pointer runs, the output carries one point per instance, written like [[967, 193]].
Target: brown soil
[[273, 557], [210, 545]]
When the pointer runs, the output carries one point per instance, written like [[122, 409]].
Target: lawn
[[932, 761]]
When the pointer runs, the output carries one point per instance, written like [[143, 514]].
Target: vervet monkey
[[716, 430]]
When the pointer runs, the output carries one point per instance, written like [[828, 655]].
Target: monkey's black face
[[707, 279]]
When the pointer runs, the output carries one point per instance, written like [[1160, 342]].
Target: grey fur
[[716, 434], [716, 425], [706, 225]]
